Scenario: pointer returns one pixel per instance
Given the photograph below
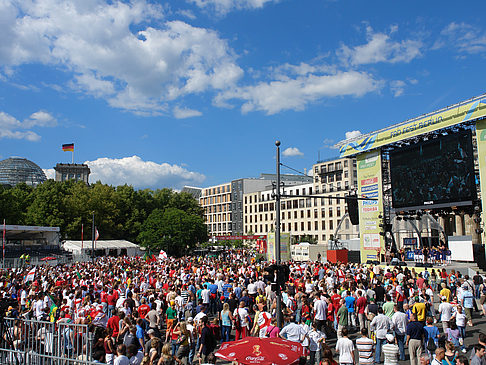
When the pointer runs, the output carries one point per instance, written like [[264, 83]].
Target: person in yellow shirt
[[445, 292], [420, 310]]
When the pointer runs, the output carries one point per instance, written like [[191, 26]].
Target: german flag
[[68, 147]]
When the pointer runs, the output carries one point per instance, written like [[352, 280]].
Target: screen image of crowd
[[431, 173], [180, 311]]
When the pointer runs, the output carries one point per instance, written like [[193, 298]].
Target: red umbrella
[[266, 351], [48, 258]]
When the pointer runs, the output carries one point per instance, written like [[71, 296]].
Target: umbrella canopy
[[265, 351], [48, 258]]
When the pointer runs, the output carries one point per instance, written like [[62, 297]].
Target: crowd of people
[[181, 310]]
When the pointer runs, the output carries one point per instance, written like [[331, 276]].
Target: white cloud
[[222, 7], [11, 127], [182, 113], [50, 173], [294, 93], [381, 48], [462, 37], [292, 151], [397, 87], [138, 71], [141, 174], [353, 134]]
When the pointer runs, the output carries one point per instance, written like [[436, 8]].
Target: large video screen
[[434, 172]]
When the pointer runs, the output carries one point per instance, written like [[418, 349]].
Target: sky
[[196, 92]]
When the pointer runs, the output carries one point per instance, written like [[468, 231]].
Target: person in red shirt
[[111, 300], [113, 323], [143, 309], [361, 304]]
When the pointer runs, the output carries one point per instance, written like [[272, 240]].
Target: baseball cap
[[390, 337], [190, 320], [150, 332], [443, 297]]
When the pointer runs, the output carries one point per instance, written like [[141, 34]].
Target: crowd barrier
[[32, 342]]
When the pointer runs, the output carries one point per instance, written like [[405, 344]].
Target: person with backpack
[[207, 342], [431, 336], [241, 316]]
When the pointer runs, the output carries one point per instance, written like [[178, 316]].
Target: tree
[[172, 230]]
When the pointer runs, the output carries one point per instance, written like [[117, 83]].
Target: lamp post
[[93, 238], [277, 235]]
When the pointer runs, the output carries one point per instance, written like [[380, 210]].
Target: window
[[330, 212], [323, 237], [295, 214], [308, 213], [346, 223], [339, 166], [315, 213], [331, 225], [301, 226], [309, 225], [295, 226], [345, 163], [323, 212], [338, 211], [323, 226], [301, 214], [289, 215], [316, 225], [290, 227]]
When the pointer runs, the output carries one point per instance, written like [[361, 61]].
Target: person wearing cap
[[390, 350], [445, 310]]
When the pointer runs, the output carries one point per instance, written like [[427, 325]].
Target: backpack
[[431, 346]]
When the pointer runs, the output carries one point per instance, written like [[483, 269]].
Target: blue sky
[[167, 93]]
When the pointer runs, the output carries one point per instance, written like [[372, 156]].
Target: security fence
[[33, 342]]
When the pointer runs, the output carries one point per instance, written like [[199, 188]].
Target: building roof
[[111, 244], [15, 170]]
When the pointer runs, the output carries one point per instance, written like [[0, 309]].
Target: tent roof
[[111, 244]]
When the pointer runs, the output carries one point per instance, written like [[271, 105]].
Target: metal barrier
[[30, 342]]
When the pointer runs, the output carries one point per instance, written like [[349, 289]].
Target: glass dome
[[16, 170]]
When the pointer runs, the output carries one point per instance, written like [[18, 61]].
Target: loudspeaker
[[428, 264], [402, 263], [353, 211], [419, 264]]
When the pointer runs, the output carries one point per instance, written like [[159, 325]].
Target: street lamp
[[277, 235]]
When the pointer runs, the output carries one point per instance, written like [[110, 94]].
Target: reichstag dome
[[15, 170]]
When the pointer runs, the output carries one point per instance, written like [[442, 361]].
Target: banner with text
[[284, 247], [370, 186], [460, 113], [481, 142]]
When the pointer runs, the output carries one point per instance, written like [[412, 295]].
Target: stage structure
[[429, 170]]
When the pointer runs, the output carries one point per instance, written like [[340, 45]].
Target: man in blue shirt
[[350, 303], [213, 297]]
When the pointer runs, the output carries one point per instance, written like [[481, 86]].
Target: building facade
[[311, 210], [72, 171], [216, 202]]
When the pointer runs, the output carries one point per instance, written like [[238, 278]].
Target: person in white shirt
[[345, 348], [315, 337], [121, 358], [400, 322], [320, 312], [293, 331], [445, 309]]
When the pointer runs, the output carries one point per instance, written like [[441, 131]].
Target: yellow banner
[[432, 122], [481, 142], [370, 186]]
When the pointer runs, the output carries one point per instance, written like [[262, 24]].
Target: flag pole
[[72, 157], [92, 239]]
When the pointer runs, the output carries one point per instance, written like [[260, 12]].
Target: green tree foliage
[[173, 230], [140, 216]]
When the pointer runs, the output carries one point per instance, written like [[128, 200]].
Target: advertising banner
[[284, 247], [370, 186], [474, 109], [481, 142]]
